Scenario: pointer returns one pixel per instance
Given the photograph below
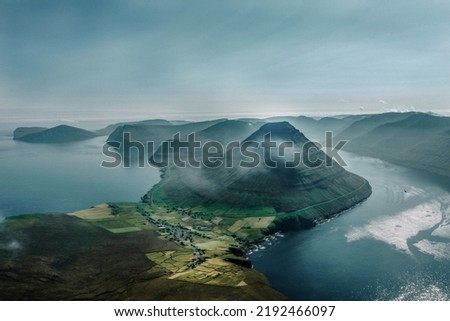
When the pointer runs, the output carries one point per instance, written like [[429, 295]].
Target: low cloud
[[11, 246], [7, 242]]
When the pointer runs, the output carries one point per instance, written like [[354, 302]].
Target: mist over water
[[394, 246]]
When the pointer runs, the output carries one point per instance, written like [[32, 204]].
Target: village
[[179, 234]]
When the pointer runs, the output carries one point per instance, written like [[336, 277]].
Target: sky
[[123, 59]]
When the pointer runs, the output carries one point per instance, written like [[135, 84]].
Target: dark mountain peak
[[279, 131]]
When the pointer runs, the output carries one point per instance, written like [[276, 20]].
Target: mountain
[[304, 124], [58, 134], [315, 128], [23, 131], [338, 124], [158, 133], [229, 130], [363, 126], [420, 141], [430, 155], [287, 192], [224, 132], [111, 128]]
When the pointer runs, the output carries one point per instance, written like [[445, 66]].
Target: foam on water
[[443, 230], [396, 230], [439, 250]]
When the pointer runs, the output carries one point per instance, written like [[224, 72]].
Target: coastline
[[231, 260]]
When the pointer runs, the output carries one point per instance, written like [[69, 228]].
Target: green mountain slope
[[300, 191]]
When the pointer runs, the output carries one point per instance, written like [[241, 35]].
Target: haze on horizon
[[201, 59]]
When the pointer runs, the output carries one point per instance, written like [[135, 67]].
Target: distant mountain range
[[415, 140], [418, 140], [159, 133], [108, 130]]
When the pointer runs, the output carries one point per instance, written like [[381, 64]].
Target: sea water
[[393, 246], [38, 178]]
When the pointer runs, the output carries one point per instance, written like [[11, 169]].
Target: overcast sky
[[199, 59]]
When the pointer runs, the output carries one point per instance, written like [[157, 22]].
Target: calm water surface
[[64, 177]]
